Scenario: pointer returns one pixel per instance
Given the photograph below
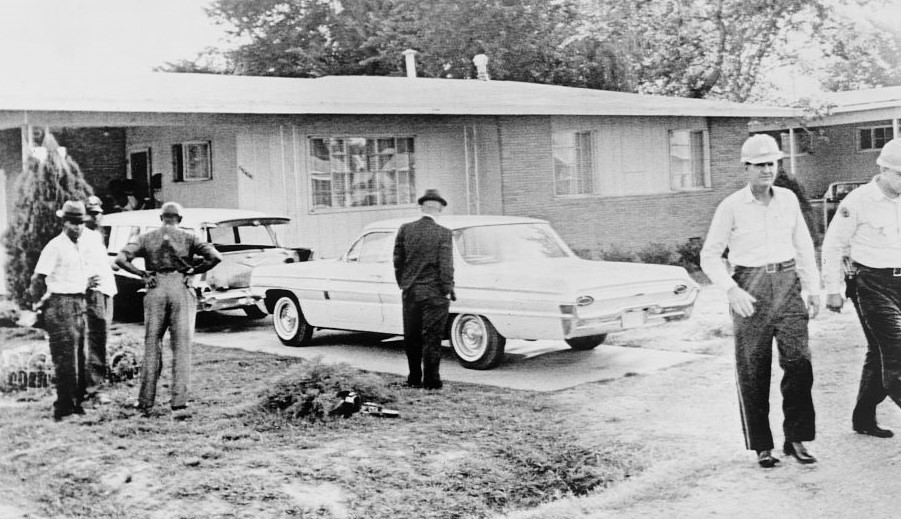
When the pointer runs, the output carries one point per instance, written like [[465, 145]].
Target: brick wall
[[99, 152], [834, 157], [628, 222]]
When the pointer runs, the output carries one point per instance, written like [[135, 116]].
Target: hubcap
[[469, 335], [286, 318]]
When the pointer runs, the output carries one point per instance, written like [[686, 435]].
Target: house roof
[[375, 95], [867, 99]]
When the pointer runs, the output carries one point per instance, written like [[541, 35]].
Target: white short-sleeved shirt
[[104, 267], [68, 265], [866, 227]]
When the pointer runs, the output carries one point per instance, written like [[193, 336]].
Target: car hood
[[569, 275]]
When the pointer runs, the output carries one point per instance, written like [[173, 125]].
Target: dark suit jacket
[[423, 259]]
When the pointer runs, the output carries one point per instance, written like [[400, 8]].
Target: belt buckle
[[896, 272], [771, 268]]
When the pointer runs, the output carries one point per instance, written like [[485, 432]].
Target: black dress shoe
[[874, 430], [766, 459], [800, 453], [433, 385]]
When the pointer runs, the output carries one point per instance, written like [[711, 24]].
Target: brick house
[[844, 143], [608, 169]]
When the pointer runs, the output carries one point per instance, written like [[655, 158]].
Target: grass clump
[[311, 390]]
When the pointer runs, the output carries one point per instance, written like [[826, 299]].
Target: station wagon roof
[[193, 216], [454, 222]]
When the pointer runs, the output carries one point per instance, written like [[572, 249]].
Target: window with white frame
[[573, 155], [874, 137], [801, 143], [689, 162], [350, 172], [192, 161]]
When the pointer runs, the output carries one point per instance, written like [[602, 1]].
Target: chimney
[[481, 63], [410, 60]]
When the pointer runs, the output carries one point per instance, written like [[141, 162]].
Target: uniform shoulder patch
[[845, 212]]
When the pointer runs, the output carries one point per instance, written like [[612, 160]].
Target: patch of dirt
[[688, 416]]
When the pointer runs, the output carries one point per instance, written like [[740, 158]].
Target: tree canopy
[[688, 48]]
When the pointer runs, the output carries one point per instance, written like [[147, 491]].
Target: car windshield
[[507, 243]]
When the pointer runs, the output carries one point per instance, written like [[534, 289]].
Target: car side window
[[374, 247]]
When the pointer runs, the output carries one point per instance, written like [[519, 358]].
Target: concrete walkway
[[528, 365]]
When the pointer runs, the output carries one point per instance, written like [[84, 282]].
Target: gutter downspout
[[792, 151]]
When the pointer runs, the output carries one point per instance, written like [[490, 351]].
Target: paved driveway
[[529, 365]]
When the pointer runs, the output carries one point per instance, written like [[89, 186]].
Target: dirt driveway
[[688, 417]]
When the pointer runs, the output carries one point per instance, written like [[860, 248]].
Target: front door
[[139, 167]]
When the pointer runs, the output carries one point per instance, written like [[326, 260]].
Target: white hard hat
[[890, 156], [759, 149]]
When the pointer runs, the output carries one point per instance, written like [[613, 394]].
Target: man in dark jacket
[[424, 269]]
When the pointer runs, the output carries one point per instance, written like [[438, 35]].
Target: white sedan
[[515, 278]]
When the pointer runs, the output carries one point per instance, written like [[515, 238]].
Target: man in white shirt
[[773, 256], [867, 228], [99, 306], [65, 270]]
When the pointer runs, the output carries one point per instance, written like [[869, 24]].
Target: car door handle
[[376, 276]]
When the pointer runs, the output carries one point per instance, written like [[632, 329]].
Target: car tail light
[[584, 300]]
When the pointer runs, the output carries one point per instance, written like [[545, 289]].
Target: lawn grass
[[466, 451]]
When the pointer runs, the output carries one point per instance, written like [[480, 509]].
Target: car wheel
[[254, 311], [586, 343], [476, 342], [290, 326]]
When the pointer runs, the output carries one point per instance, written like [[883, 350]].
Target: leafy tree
[[527, 40], [41, 190], [688, 48]]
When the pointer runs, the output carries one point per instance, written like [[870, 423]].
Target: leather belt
[[770, 268], [887, 271]]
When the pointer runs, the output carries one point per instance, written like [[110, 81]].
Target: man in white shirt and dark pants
[[773, 257], [867, 227], [65, 270]]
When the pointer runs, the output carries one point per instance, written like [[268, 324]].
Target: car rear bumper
[[214, 300], [627, 318]]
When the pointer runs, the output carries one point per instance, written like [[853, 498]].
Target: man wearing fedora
[[65, 270], [99, 308], [424, 269]]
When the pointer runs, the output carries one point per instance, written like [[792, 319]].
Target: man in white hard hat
[[170, 302], [867, 228], [773, 257]]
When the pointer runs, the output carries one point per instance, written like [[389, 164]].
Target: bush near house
[[687, 255], [47, 182]]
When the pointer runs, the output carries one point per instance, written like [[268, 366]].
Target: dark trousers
[[871, 391], [99, 316], [879, 297], [64, 315], [782, 315], [424, 322]]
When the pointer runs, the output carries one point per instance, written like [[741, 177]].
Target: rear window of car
[[262, 235], [503, 243]]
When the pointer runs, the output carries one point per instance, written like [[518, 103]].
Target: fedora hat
[[431, 194], [73, 210]]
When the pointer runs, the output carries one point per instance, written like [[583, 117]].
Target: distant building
[[842, 145]]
